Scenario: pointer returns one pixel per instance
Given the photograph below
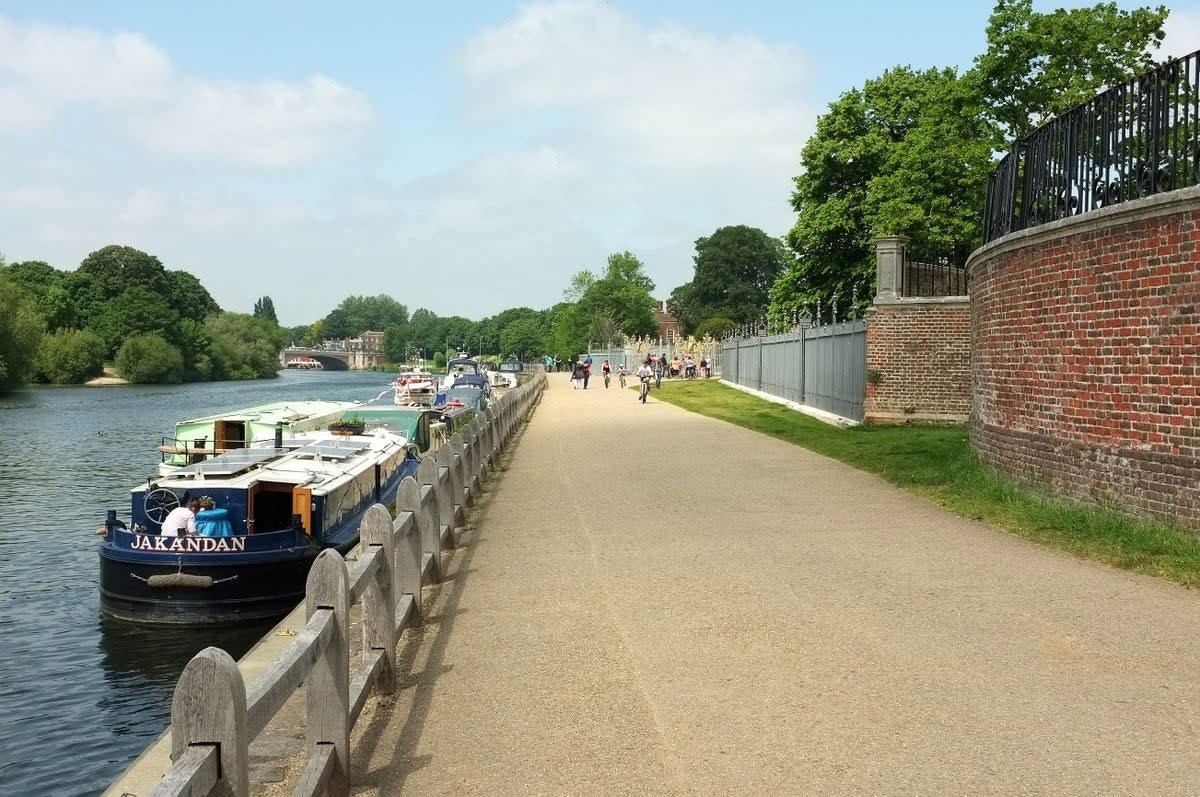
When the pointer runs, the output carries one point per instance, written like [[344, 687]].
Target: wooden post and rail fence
[[215, 716]]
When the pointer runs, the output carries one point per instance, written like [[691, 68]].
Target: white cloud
[[48, 71], [591, 131], [669, 96], [648, 137]]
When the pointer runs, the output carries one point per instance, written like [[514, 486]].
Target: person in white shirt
[[645, 374], [182, 520]]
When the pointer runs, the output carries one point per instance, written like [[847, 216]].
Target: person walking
[[659, 366]]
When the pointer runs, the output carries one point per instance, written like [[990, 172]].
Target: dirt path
[[653, 602]]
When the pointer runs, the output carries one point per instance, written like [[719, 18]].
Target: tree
[[148, 359], [118, 268], [716, 328], [907, 155], [70, 357], [188, 297], [43, 285], [1041, 65], [265, 308], [357, 314], [523, 337], [136, 311], [619, 303], [243, 347], [735, 268], [20, 334], [578, 286]]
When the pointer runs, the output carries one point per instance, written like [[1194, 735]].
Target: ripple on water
[[79, 688]]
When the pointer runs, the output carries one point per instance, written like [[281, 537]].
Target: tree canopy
[[909, 153], [20, 332], [735, 268], [1039, 65], [357, 314]]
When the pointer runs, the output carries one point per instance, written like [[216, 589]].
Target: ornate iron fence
[[1136, 139]]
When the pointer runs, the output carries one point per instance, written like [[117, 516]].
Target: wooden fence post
[[209, 708], [379, 599], [408, 552], [328, 698], [409, 499], [439, 480], [448, 460], [427, 475]]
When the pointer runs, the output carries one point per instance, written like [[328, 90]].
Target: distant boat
[[278, 502], [415, 388], [465, 384], [304, 364]]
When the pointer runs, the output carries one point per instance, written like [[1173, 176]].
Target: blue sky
[[466, 157]]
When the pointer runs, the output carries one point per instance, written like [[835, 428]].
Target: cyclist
[[645, 374], [621, 374], [606, 369]]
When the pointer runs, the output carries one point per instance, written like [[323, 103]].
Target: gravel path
[[652, 602]]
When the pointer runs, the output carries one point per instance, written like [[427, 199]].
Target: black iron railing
[[1136, 139], [935, 270]]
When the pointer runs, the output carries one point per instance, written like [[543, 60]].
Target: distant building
[[669, 327]]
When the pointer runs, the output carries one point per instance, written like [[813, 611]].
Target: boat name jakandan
[[145, 542]]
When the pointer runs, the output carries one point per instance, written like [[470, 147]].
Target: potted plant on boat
[[352, 425]]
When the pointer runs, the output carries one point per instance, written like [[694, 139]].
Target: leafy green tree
[[357, 314], [265, 308], [243, 347], [70, 357], [907, 155], [735, 268], [188, 297], [424, 332], [523, 337], [715, 327], [86, 295], [43, 284], [619, 303], [117, 268], [136, 311], [578, 286], [20, 334], [1039, 65], [148, 359], [568, 330]]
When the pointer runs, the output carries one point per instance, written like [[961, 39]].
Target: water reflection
[[83, 695]]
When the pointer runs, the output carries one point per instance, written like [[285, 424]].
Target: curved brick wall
[[1085, 339]]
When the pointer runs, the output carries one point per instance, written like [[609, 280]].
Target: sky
[[466, 157]]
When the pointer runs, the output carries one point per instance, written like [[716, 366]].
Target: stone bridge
[[334, 359]]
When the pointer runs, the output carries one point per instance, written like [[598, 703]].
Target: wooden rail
[[214, 716]]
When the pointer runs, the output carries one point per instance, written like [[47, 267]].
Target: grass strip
[[937, 463]]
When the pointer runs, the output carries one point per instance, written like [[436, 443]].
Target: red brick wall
[[918, 361], [1085, 336]]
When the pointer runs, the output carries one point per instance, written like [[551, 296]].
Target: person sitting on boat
[[212, 522], [181, 521]]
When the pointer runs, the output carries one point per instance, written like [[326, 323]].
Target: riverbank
[[110, 378]]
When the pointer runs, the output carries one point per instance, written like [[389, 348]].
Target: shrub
[[148, 359], [70, 357]]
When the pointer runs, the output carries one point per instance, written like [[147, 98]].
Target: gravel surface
[[653, 602]]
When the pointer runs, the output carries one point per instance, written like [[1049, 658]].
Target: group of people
[[198, 517], [657, 364], [581, 372]]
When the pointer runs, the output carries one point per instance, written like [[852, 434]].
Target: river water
[[81, 696]]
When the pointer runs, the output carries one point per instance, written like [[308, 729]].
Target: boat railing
[[215, 716]]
